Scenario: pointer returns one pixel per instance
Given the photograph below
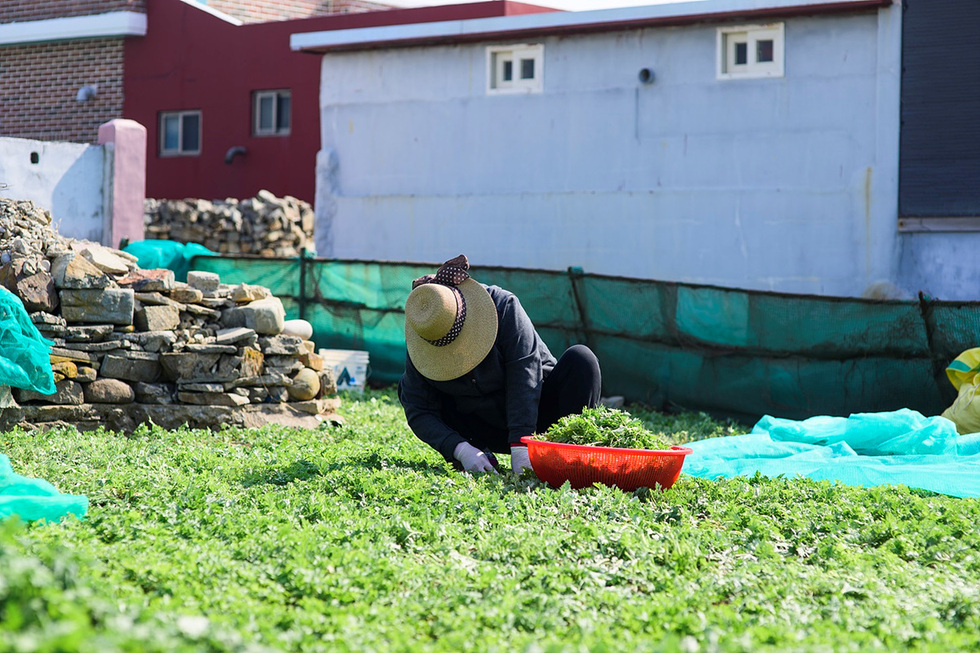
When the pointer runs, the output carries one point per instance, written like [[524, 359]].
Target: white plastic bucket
[[350, 367]]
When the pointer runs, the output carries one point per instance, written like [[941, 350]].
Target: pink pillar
[[126, 187]]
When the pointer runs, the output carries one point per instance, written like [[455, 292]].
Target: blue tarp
[[901, 447]]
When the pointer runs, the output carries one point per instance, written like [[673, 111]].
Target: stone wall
[[133, 345], [265, 225]]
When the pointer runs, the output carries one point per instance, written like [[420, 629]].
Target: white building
[[740, 143]]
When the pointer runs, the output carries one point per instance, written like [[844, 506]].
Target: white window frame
[[750, 35], [257, 98], [179, 150], [499, 55]]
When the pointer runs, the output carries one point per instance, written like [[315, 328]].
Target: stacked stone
[[265, 225], [124, 336]]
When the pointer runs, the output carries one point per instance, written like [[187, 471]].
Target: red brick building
[[47, 60], [229, 108], [49, 51]]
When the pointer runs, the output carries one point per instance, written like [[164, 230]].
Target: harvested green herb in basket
[[604, 427]]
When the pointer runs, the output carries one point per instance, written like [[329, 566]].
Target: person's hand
[[472, 459], [519, 460]]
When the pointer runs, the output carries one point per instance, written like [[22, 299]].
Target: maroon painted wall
[[190, 59]]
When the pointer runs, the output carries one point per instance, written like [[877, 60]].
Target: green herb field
[[360, 538]]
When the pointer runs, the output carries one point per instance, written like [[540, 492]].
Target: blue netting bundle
[[24, 353], [900, 447]]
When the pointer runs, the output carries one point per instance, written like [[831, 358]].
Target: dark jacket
[[503, 390]]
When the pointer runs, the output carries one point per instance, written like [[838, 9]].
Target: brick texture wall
[[259, 11], [21, 10], [39, 84]]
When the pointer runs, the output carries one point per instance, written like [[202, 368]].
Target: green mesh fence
[[670, 345]]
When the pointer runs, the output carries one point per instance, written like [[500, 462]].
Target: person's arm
[[422, 405]]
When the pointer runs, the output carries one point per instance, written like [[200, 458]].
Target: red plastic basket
[[627, 469]]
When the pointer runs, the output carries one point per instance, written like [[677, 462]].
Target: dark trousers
[[575, 383]]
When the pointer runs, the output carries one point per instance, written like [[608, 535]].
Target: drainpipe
[[233, 152]]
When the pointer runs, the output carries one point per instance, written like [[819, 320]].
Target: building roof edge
[[559, 23], [214, 12], [108, 25]]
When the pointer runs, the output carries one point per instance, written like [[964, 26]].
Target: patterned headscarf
[[450, 274], [428, 310]]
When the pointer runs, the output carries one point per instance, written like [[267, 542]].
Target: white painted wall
[[68, 180], [786, 184], [941, 265]]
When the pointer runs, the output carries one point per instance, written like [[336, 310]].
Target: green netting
[[725, 351], [949, 325]]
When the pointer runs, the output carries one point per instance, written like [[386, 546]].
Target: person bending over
[[478, 377]]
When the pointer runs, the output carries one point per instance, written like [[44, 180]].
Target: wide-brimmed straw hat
[[450, 322]]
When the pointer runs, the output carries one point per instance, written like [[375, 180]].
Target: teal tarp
[[900, 447], [32, 498], [166, 254], [24, 352]]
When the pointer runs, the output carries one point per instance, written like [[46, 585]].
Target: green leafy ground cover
[[362, 539]]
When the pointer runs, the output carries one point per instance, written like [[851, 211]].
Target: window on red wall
[[271, 113], [180, 133]]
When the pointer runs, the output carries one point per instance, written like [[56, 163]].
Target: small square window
[[750, 51], [741, 53], [271, 113], [515, 69], [180, 133], [764, 51], [527, 68]]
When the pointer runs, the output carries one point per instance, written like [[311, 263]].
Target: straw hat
[[450, 322]]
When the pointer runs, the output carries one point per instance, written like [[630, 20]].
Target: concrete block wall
[[39, 84], [65, 178], [97, 191], [782, 184]]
